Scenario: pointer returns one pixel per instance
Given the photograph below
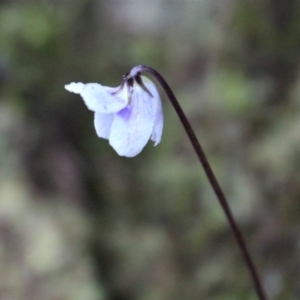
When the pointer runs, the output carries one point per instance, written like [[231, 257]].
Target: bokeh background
[[79, 222]]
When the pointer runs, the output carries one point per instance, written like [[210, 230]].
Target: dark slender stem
[[210, 175]]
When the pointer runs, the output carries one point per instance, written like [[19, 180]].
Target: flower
[[128, 116]]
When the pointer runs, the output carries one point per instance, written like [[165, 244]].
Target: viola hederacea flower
[[128, 116]]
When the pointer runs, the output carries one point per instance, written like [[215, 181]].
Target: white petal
[[101, 98], [102, 124], [159, 118], [158, 125], [132, 127], [74, 87]]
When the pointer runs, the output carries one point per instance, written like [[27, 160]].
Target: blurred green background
[[79, 222]]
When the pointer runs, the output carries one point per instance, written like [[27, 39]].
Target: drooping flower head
[[128, 116]]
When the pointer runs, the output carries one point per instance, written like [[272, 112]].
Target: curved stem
[[210, 175]]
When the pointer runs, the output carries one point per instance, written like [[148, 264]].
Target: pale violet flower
[[128, 116]]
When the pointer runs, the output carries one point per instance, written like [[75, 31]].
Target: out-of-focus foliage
[[79, 222]]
